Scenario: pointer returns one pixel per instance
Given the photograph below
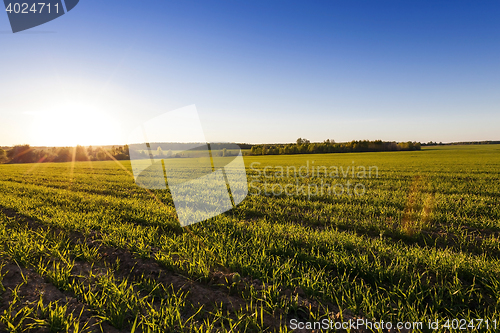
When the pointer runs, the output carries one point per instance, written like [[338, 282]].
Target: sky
[[258, 71]]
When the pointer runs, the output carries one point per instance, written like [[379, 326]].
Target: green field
[[84, 249], [193, 153]]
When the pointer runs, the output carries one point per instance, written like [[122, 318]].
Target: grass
[[421, 243]]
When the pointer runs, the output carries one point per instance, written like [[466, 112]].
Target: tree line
[[28, 154], [462, 143], [304, 146]]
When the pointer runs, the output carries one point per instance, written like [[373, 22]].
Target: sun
[[74, 125]]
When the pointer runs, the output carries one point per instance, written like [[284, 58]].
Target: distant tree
[[101, 155], [159, 151], [301, 141], [21, 154], [121, 153], [3, 156], [64, 154], [81, 154], [46, 155]]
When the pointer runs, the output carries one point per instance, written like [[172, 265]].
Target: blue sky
[[258, 71]]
